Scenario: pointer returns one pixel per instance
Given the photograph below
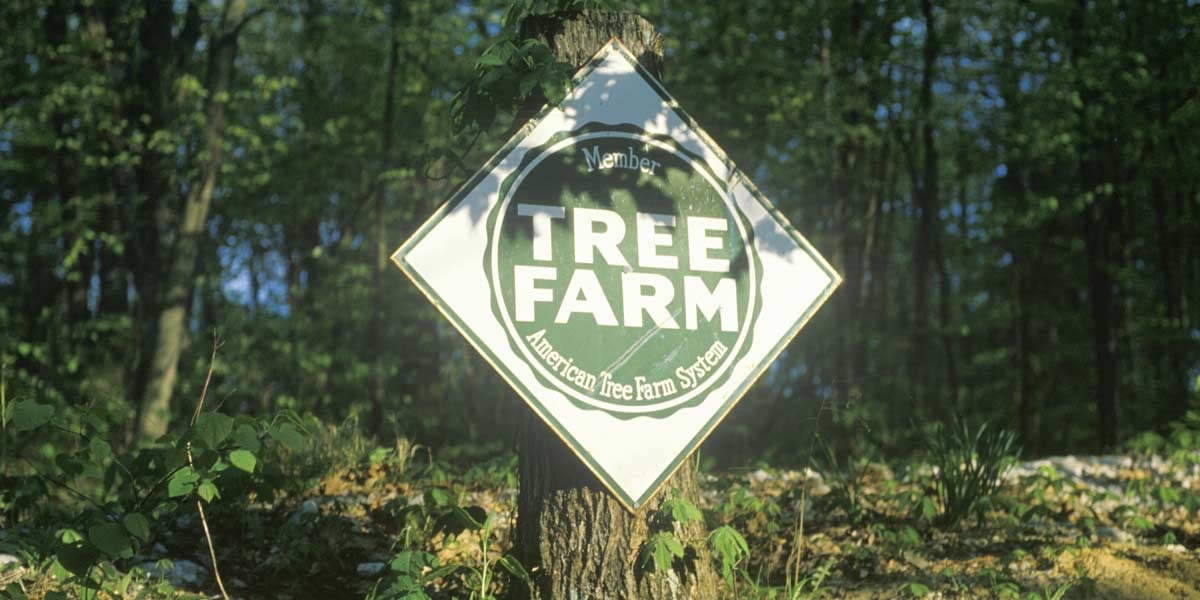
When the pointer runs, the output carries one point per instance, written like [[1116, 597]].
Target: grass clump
[[970, 464]]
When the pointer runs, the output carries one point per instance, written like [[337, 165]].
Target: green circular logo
[[622, 271]]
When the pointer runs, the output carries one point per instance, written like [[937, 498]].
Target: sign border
[[631, 504]]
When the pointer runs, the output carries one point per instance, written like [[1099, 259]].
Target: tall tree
[[1099, 212], [576, 536], [171, 330], [926, 193]]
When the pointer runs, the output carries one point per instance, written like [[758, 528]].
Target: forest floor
[[1072, 527], [1114, 527]]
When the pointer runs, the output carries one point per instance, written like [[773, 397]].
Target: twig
[[212, 552], [4, 416], [794, 560]]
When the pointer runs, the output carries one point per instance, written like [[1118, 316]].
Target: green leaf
[[111, 539], [682, 510], [469, 521], [528, 82], [28, 415], [208, 491], [438, 497], [514, 567], [76, 557], [68, 465], [728, 544], [915, 589], [212, 428], [412, 562], [13, 591], [246, 437], [555, 86], [379, 455], [182, 482], [243, 460], [287, 435], [69, 536], [662, 550], [137, 526], [490, 60], [99, 449]]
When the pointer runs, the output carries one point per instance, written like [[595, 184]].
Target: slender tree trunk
[[868, 261], [946, 318], [927, 220], [382, 249], [1024, 388], [147, 213], [114, 286], [578, 539], [171, 331], [1167, 225], [967, 350], [252, 267], [1095, 225]]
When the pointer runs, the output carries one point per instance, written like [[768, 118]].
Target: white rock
[[182, 572], [368, 569], [1113, 534], [11, 569], [308, 507]]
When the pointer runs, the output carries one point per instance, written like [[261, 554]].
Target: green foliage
[[914, 589], [970, 464], [113, 501], [1052, 593], [731, 548], [810, 587], [679, 510], [1181, 444], [1059, 180], [415, 573], [26, 415], [661, 551], [243, 459]]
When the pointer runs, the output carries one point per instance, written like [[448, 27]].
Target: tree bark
[[574, 536], [170, 334], [927, 221]]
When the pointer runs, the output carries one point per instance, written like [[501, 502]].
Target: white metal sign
[[619, 273]]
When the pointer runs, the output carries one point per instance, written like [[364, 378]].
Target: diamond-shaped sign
[[617, 270]]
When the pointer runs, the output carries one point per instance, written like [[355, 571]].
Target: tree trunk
[[576, 538], [1024, 387], [927, 222], [170, 335], [382, 248], [1096, 219]]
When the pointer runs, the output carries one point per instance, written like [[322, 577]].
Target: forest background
[[1009, 189]]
